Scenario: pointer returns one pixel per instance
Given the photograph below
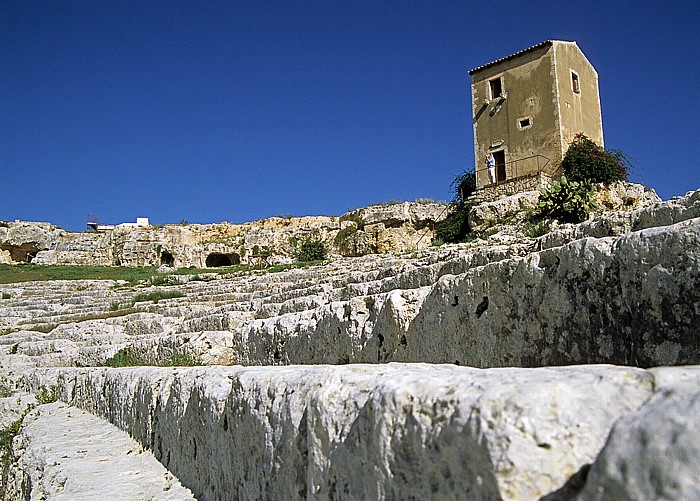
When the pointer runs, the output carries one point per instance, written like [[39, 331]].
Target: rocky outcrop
[[20, 241], [377, 229]]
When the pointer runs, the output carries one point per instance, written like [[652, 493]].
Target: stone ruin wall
[[491, 193], [377, 229]]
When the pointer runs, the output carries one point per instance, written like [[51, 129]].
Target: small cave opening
[[167, 259], [218, 259], [23, 253]]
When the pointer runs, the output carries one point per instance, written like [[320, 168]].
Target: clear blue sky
[[239, 110]]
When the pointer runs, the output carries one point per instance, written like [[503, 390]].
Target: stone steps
[[485, 315], [66, 453], [380, 431], [334, 428]]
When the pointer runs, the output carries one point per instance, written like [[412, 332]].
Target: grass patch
[[13, 273], [7, 435], [48, 327], [156, 296], [537, 228], [134, 357], [5, 390]]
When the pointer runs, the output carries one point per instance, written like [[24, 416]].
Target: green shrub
[[464, 185], [48, 395], [311, 250], [455, 227], [567, 201], [586, 161], [126, 357]]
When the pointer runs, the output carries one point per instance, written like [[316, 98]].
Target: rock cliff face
[[434, 373], [377, 229]]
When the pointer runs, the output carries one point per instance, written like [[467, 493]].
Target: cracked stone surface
[[65, 453]]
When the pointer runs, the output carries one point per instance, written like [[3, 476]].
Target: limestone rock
[[631, 300], [625, 196], [363, 431], [652, 453], [21, 241], [66, 453], [395, 215], [488, 214]]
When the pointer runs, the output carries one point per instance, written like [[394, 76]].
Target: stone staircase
[[400, 376]]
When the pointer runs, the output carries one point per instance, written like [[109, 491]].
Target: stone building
[[526, 109]]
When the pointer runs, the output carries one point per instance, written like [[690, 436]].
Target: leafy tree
[[586, 161], [311, 250]]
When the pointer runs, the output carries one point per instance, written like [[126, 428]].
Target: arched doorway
[[218, 259], [167, 259]]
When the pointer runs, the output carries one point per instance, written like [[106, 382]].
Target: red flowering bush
[[586, 161]]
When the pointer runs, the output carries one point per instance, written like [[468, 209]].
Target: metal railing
[[510, 171]]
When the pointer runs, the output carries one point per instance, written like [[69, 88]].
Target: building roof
[[519, 53]]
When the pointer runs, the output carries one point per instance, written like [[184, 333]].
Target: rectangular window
[[495, 88], [524, 123], [575, 85]]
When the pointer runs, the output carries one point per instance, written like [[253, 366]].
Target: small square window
[[495, 88], [524, 123], [575, 84]]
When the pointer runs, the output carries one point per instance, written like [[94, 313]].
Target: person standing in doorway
[[491, 164]]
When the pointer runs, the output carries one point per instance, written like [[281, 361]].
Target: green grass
[[534, 228], [7, 435], [156, 296], [13, 273], [133, 357], [5, 390]]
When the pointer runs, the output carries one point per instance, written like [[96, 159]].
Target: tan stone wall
[[528, 81], [579, 112], [520, 185]]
